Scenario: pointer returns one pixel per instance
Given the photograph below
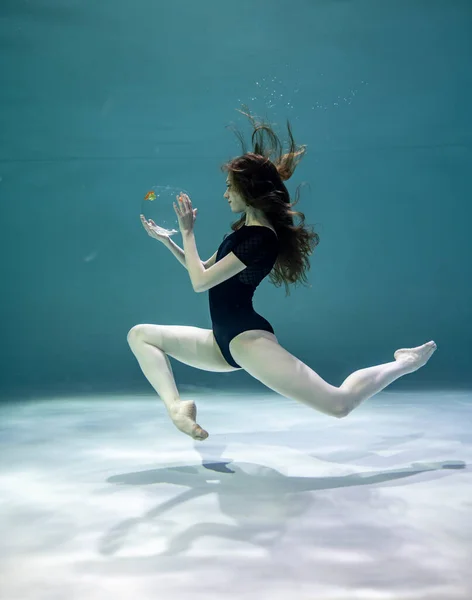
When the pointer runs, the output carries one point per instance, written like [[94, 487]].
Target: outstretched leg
[[365, 383], [259, 353]]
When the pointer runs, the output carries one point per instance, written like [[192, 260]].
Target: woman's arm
[[180, 254], [176, 251], [194, 264], [211, 261]]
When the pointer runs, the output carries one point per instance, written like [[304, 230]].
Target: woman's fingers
[[181, 202], [146, 226], [183, 199]]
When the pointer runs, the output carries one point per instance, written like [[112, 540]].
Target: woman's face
[[236, 202]]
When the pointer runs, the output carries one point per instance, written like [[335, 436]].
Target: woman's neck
[[252, 220]]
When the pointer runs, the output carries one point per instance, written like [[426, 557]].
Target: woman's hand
[[185, 213], [153, 230]]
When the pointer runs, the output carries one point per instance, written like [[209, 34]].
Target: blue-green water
[[101, 101]]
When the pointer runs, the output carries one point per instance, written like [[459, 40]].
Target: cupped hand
[[154, 231]]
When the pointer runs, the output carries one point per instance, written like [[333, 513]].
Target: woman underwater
[[265, 241]]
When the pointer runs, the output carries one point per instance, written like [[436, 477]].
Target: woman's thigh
[[192, 346], [260, 354]]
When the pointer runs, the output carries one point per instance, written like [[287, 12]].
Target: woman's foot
[[414, 358], [183, 414]]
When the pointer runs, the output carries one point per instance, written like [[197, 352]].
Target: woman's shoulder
[[261, 228]]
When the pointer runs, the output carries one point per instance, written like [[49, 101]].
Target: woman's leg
[[259, 353], [152, 344], [365, 383]]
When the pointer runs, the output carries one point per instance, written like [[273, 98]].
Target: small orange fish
[[150, 196]]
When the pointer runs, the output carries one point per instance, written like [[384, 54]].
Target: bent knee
[[340, 414], [342, 409], [137, 333], [339, 403]]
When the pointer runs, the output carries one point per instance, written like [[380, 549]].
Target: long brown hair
[[259, 180]]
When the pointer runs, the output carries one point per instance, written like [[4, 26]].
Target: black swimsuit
[[231, 307]]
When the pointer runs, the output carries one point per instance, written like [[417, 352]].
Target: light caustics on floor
[[104, 498]]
